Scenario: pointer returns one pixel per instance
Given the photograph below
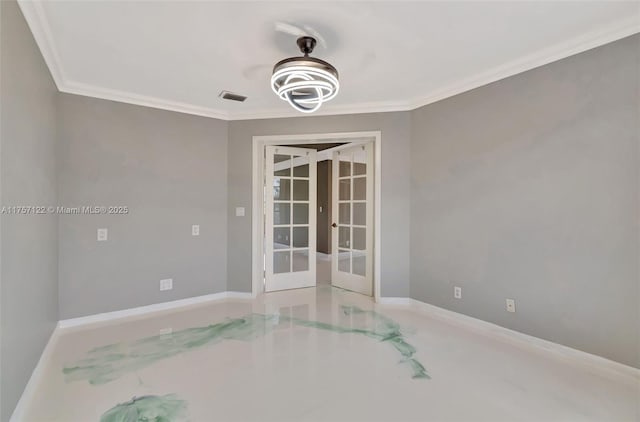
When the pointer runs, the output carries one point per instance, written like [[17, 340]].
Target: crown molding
[[616, 31], [328, 110], [141, 100], [35, 16]]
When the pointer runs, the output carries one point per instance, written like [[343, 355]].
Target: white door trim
[[257, 198]]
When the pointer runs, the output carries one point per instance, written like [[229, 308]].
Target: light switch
[[102, 235], [239, 211], [195, 230]]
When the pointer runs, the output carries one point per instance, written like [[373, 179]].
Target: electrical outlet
[[195, 230], [166, 284], [457, 292], [102, 235], [511, 305], [239, 211]]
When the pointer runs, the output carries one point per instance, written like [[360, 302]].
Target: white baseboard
[[239, 295], [149, 309], [28, 395], [593, 362], [395, 301]]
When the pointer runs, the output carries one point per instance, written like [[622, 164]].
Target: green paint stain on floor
[[384, 329], [107, 363], [148, 409]]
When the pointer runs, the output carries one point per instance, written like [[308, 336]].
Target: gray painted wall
[[395, 129], [29, 243], [170, 169], [528, 189]]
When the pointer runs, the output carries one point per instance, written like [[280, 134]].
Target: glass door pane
[[352, 211], [300, 204], [353, 215], [344, 211], [282, 183], [291, 186]]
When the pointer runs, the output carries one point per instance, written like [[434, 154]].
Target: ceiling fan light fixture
[[305, 82]]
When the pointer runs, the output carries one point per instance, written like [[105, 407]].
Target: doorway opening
[[316, 211]]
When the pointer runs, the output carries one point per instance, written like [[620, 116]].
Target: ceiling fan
[[305, 82]]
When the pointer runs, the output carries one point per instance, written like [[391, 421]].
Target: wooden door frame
[[257, 197]]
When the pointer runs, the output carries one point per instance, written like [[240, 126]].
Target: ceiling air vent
[[231, 96]]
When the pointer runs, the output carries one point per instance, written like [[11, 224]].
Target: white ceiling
[[391, 55]]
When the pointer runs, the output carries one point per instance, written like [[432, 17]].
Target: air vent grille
[[232, 96]]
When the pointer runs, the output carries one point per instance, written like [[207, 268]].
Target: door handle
[[334, 225]]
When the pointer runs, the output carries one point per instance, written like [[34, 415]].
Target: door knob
[[334, 225]]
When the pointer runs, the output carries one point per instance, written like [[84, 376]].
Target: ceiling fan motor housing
[[306, 44]]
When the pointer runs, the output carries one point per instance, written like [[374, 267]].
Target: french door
[[290, 218], [352, 249]]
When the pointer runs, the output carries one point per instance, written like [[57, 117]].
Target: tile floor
[[317, 354]]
